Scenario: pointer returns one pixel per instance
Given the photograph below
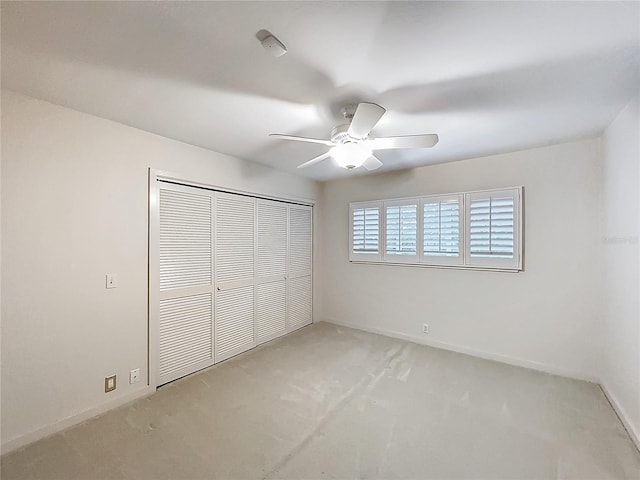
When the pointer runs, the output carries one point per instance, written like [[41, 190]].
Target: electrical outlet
[[134, 375], [425, 328], [109, 384]]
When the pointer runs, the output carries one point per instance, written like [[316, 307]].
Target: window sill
[[446, 267]]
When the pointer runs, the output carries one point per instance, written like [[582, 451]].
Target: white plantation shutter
[[364, 231], [271, 269], [401, 230], [493, 228], [480, 229], [185, 268], [441, 229], [299, 280]]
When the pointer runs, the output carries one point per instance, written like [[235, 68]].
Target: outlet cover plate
[[134, 375]]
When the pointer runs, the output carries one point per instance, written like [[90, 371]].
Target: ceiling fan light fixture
[[350, 155]]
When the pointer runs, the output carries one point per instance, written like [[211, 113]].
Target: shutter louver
[[401, 229], [366, 228], [441, 228], [491, 230]]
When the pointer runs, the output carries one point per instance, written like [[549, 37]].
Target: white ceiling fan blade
[[372, 163], [404, 141], [364, 119], [317, 159], [329, 143]]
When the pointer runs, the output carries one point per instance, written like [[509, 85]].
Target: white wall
[[621, 229], [74, 207], [546, 317]]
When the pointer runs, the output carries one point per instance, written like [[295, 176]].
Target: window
[[469, 230], [401, 231], [365, 231]]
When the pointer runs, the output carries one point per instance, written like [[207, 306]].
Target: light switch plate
[[111, 280]]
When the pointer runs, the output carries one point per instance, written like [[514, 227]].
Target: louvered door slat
[[185, 239], [271, 311], [185, 260], [185, 337], [234, 321], [272, 239], [299, 302], [271, 297], [234, 238], [299, 293], [300, 241]]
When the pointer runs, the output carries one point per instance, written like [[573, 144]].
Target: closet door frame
[[153, 281]]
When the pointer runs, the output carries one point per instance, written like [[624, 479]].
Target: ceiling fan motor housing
[[339, 134]]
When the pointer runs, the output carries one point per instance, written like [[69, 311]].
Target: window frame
[[464, 260]]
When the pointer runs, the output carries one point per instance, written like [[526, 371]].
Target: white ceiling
[[488, 77]]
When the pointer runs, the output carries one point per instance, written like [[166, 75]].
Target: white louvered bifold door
[[299, 288], [271, 270], [185, 340], [235, 288]]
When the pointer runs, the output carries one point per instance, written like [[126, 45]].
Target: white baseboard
[[474, 352], [633, 433], [65, 423]]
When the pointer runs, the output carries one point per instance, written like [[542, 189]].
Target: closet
[[233, 271]]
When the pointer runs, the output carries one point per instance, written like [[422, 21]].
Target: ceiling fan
[[351, 145]]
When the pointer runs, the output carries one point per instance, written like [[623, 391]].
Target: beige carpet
[[331, 402]]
